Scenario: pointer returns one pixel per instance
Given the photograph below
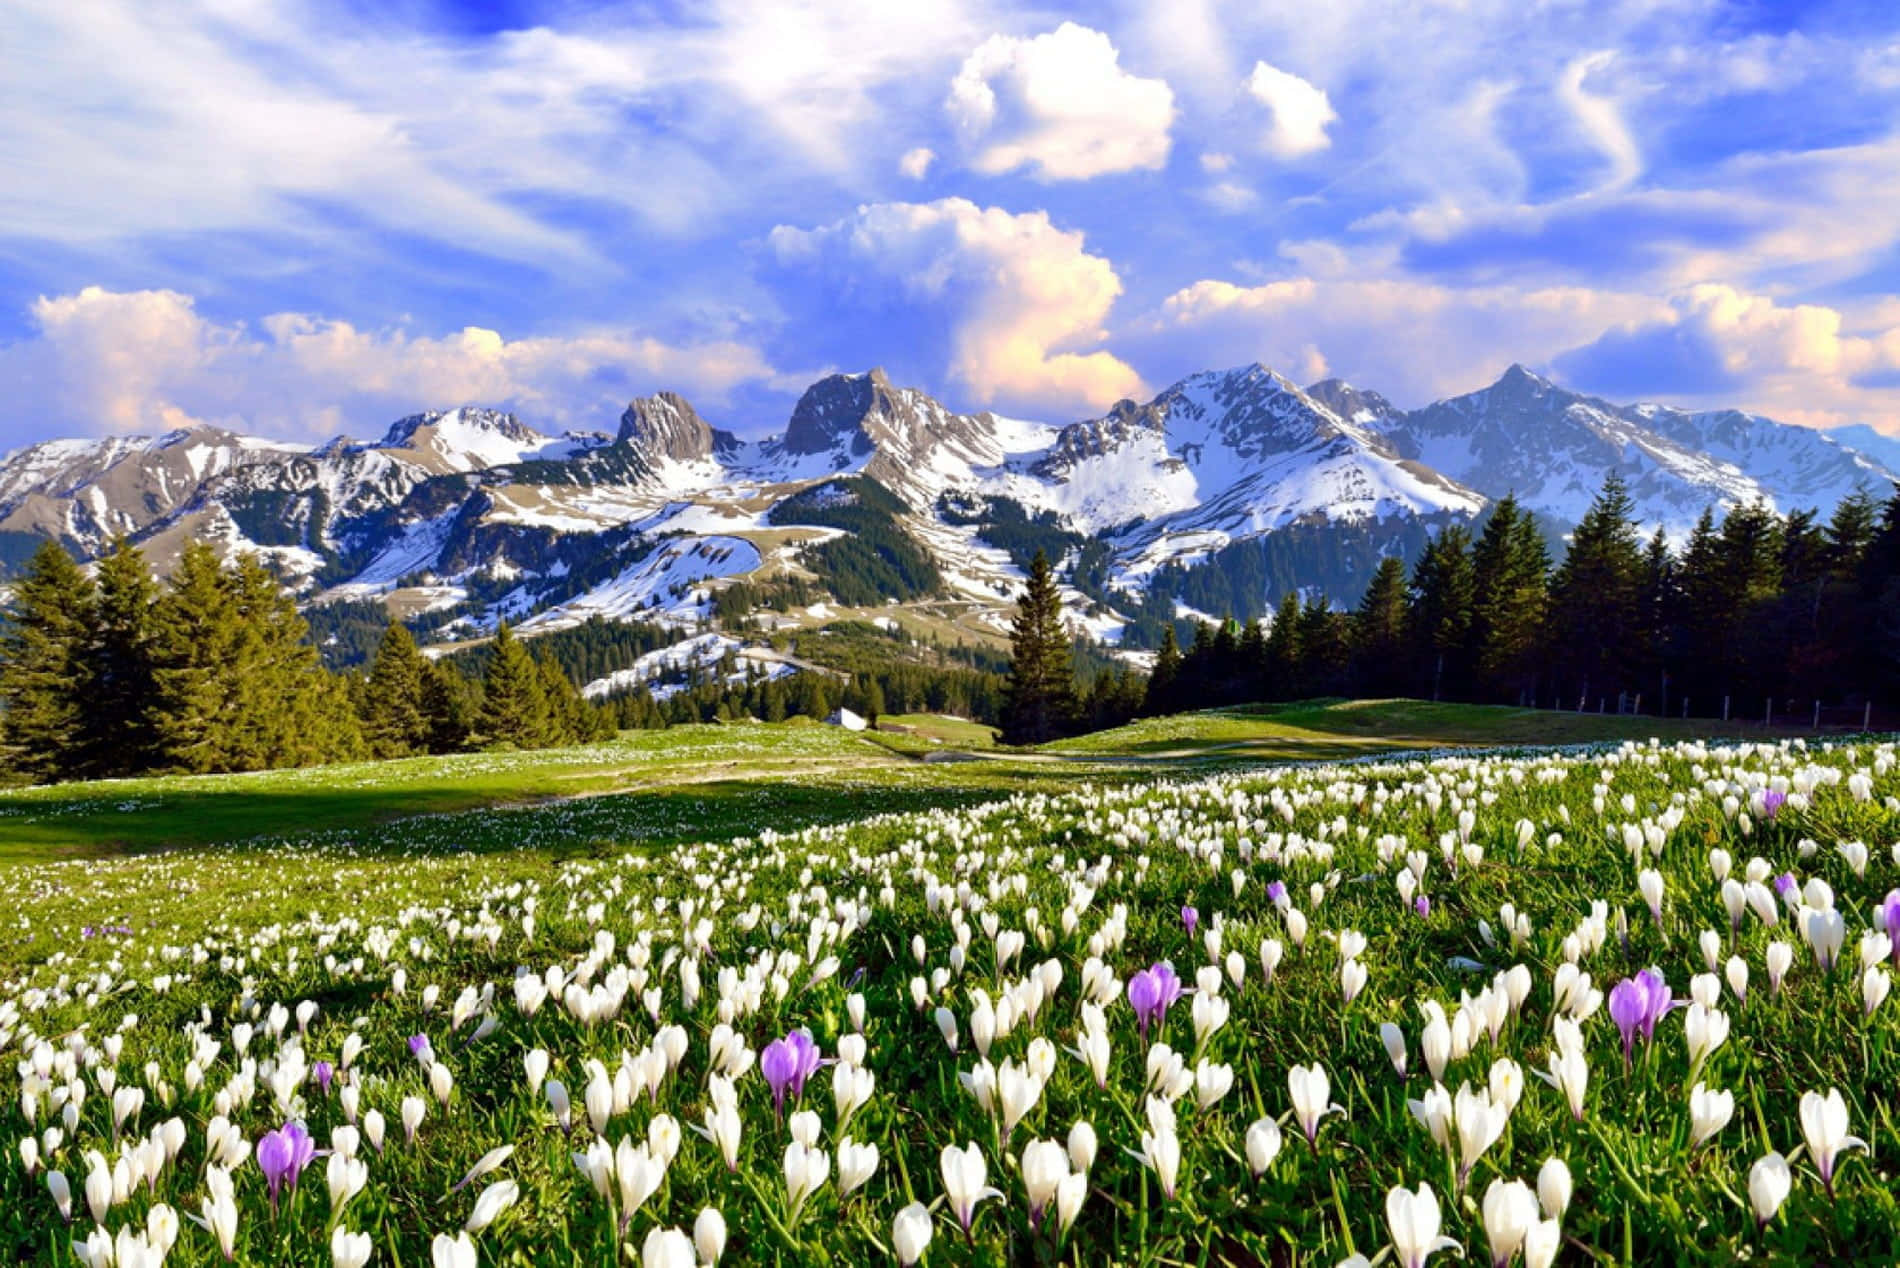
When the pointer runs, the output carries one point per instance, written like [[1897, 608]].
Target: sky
[[300, 220]]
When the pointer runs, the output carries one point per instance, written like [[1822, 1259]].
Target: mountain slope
[[465, 516]]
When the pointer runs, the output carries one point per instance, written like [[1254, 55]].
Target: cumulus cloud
[[103, 361], [915, 164], [1061, 105], [1298, 113], [1022, 301], [1373, 331], [1715, 340]]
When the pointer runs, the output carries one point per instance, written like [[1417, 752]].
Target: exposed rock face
[[476, 497]]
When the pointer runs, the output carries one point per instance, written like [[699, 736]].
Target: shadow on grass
[[460, 821]]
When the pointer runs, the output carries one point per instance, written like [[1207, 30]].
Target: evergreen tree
[[120, 655], [1510, 569], [1378, 632], [1593, 599], [1444, 593], [395, 715], [1041, 694], [43, 667], [1161, 697], [198, 633], [514, 704], [447, 708], [1285, 654]]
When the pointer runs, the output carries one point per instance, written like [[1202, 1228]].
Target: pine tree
[[1379, 630], [395, 713], [197, 634], [514, 706], [1285, 654], [1510, 569], [1444, 592], [43, 667], [118, 737], [1593, 599], [446, 709], [1041, 694], [1161, 697]]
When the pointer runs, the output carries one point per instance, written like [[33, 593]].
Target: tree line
[[1750, 608], [113, 673]]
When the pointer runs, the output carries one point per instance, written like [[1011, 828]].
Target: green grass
[[421, 926], [701, 782], [1327, 730]]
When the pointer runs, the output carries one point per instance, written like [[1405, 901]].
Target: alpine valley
[[1226, 490]]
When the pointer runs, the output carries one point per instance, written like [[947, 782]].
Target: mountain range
[[472, 515]]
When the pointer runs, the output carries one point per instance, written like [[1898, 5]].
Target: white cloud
[[1601, 119], [1024, 300], [1718, 344], [1298, 112], [1231, 197], [915, 164], [125, 120], [149, 360], [1061, 105], [1214, 162], [1373, 331]]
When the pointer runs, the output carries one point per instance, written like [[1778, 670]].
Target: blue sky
[[303, 219]]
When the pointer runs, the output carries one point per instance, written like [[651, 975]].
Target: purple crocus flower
[[1890, 910], [1628, 1004], [323, 1072], [1276, 894], [1771, 803], [1637, 1004], [1150, 992], [1190, 918], [1422, 905], [282, 1155], [786, 1064], [1785, 884], [1656, 999], [419, 1046]]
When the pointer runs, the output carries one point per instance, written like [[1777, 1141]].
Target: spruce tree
[[1285, 655], [514, 706], [43, 667], [1161, 697], [197, 635], [1378, 632], [119, 661], [1510, 575], [1593, 599], [395, 706], [1444, 592], [446, 709], [1040, 701]]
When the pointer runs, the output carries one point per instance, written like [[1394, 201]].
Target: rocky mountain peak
[[836, 409], [1354, 404], [666, 425]]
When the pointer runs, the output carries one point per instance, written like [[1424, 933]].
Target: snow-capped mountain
[[475, 510], [1553, 447]]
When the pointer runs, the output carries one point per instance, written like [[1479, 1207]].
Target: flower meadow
[[1610, 1007]]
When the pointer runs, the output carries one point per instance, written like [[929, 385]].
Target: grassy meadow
[[784, 995]]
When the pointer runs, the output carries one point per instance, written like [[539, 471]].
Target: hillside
[[875, 493]]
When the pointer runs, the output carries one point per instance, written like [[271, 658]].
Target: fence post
[[1725, 708], [1817, 715], [1867, 717], [1685, 706], [1768, 712]]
